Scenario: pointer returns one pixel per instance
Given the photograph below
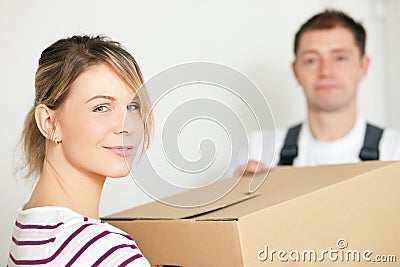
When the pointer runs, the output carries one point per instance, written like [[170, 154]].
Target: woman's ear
[[46, 122]]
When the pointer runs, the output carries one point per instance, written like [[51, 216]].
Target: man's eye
[[342, 58], [309, 61], [100, 109]]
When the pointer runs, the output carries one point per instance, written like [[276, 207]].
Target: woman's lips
[[122, 151]]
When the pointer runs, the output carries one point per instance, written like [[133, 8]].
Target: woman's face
[[100, 124]]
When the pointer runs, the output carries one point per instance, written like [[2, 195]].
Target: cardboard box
[[329, 215]]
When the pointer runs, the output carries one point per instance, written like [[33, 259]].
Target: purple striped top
[[58, 236]]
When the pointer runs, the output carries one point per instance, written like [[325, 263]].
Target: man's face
[[329, 66]]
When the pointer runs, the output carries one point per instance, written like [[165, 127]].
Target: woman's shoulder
[[73, 239], [100, 242], [96, 241]]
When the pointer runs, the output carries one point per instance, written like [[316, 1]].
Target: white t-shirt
[[58, 236], [312, 152]]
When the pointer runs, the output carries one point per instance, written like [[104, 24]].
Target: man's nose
[[325, 68]]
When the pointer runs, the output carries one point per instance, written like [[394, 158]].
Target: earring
[[57, 140]]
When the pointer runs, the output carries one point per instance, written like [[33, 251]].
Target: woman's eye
[[100, 109], [132, 106]]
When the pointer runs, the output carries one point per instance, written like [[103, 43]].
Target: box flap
[[282, 184], [159, 210], [288, 183]]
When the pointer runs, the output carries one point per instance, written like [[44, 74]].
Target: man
[[330, 62]]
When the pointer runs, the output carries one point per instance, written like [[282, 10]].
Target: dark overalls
[[369, 150]]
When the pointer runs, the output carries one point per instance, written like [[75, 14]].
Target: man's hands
[[250, 168]]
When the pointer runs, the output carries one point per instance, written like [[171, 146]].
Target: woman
[[90, 117]]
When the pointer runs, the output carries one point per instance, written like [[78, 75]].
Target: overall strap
[[290, 149], [370, 149]]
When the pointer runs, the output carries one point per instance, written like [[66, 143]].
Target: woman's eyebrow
[[100, 96]]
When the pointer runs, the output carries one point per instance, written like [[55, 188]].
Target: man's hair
[[329, 19]]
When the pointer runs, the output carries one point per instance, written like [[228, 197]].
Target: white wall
[[254, 37], [392, 59]]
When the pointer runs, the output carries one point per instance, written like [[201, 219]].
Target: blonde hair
[[59, 66]]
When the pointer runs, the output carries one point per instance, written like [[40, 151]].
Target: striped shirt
[[58, 236]]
